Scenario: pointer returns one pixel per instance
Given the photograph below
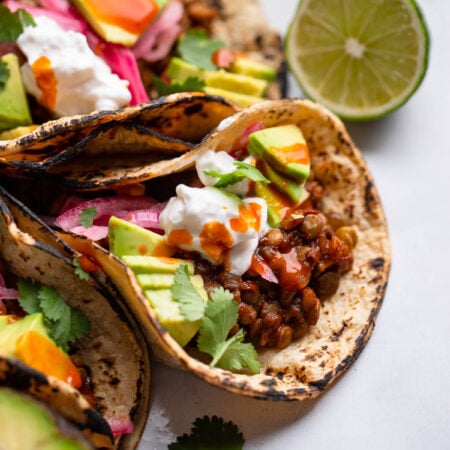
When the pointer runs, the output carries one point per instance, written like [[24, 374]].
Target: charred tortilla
[[114, 352], [309, 365]]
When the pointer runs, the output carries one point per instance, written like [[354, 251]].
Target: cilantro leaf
[[198, 49], [12, 24], [64, 324], [87, 216], [192, 305], [210, 433], [82, 274], [243, 170], [28, 299], [4, 74], [221, 314], [191, 84]]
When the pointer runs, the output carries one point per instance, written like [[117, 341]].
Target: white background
[[396, 396]]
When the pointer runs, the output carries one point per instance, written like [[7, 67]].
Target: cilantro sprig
[[191, 84], [12, 24], [65, 324], [197, 48], [87, 216], [209, 433], [219, 315], [243, 170]]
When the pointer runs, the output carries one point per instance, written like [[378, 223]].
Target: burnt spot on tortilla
[[194, 109], [377, 263], [323, 383], [337, 334]]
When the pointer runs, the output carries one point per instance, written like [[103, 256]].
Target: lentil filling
[[306, 257]]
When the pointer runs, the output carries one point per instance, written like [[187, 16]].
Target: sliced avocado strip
[[252, 68], [126, 238], [287, 185], [240, 99], [180, 70], [14, 110], [284, 148], [16, 132], [278, 204], [11, 332], [144, 264], [28, 424], [168, 312], [164, 280]]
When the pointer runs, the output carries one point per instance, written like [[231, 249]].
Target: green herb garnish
[[87, 216], [12, 24], [197, 48], [218, 316], [243, 170], [221, 314], [65, 324], [82, 274], [191, 84], [210, 433], [192, 305]]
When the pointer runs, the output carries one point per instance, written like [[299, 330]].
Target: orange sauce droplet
[[179, 237], [215, 240], [249, 217], [46, 81], [296, 153], [133, 16]]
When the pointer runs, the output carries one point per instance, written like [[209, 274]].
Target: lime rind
[[327, 89]]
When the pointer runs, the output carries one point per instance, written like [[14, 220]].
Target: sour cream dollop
[[64, 74], [220, 226]]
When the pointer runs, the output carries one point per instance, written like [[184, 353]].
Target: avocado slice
[[252, 68], [11, 332], [287, 185], [148, 264], [240, 99], [14, 110], [180, 70], [126, 238], [284, 148], [168, 312], [44, 429]]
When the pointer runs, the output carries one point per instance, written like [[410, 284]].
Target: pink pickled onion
[[156, 42], [143, 211], [67, 21], [6, 293], [243, 140], [120, 425]]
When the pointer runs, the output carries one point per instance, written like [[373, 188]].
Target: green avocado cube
[[284, 148], [14, 110], [150, 264], [252, 68]]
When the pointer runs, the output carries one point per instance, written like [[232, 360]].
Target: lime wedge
[[361, 59]]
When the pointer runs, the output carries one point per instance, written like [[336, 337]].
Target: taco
[[306, 280], [53, 52], [67, 335]]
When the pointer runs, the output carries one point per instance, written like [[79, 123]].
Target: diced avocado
[[126, 238], [164, 280], [16, 132], [27, 423], [240, 99], [170, 317], [287, 185], [284, 148], [14, 109], [278, 204], [145, 264], [180, 70], [11, 332], [252, 68]]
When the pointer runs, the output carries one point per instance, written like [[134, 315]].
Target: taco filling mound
[[262, 267]]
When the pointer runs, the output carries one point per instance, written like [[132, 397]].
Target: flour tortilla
[[307, 367], [114, 351]]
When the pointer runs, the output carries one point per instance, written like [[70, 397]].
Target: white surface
[[396, 396]]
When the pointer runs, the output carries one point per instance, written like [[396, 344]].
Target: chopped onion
[[6, 293], [120, 425], [156, 42]]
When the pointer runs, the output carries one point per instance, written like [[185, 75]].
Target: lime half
[[360, 58]]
